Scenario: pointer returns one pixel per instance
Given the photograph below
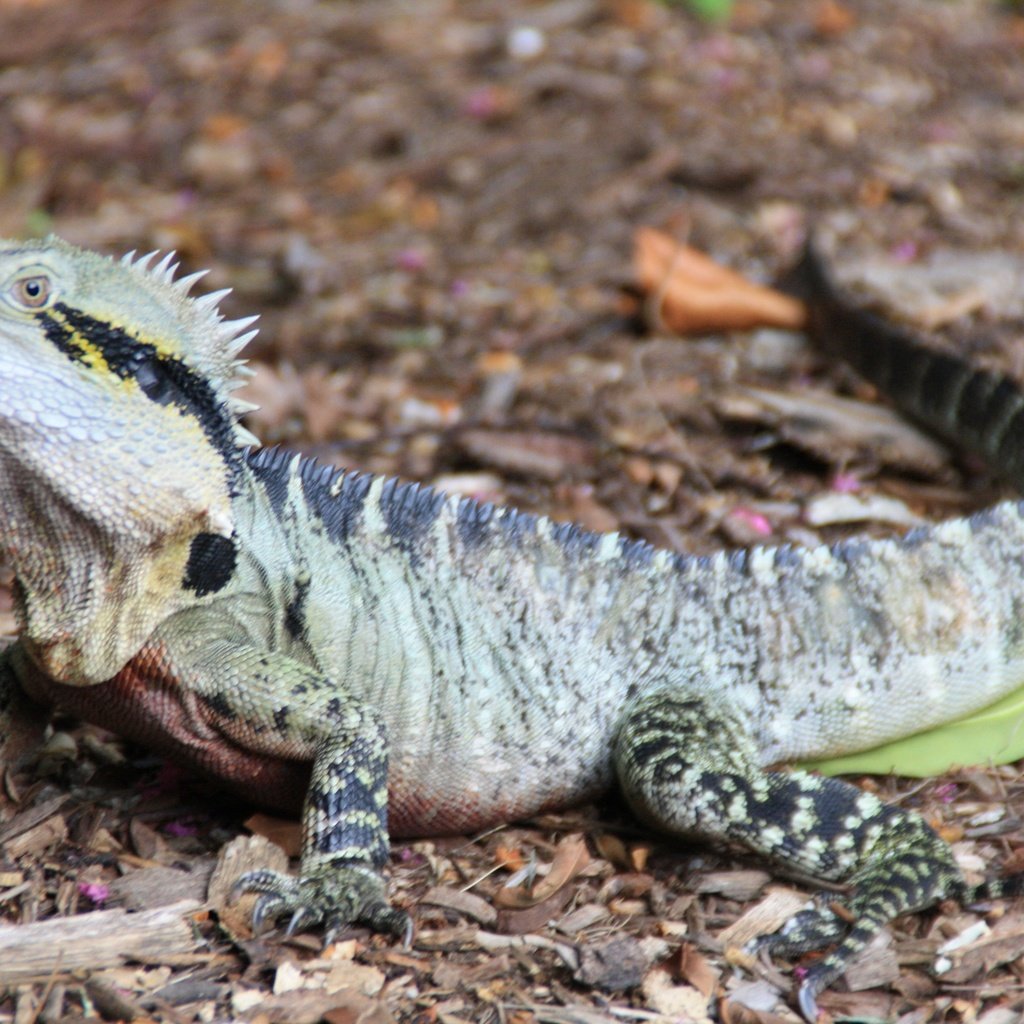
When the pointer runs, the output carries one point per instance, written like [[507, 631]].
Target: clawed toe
[[334, 897]]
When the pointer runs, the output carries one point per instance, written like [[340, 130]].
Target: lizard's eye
[[32, 292], [153, 382]]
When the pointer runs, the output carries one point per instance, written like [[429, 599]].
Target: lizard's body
[[440, 665], [526, 713]]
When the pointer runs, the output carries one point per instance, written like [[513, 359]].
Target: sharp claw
[[266, 907], [302, 917], [808, 1003], [407, 932]]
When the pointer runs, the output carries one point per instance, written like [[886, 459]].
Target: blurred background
[[433, 205]]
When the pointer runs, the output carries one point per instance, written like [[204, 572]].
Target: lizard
[[396, 661]]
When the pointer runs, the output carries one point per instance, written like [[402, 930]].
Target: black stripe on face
[[164, 379]]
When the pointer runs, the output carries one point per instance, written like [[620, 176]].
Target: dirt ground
[[432, 205]]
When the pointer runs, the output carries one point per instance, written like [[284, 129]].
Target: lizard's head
[[115, 390], [120, 450]]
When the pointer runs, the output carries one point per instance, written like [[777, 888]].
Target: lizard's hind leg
[[689, 766]]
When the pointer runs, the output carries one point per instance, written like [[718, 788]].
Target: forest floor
[[433, 206]]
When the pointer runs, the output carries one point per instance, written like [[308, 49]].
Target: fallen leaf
[[510, 857], [286, 834], [833, 19], [693, 294], [570, 859]]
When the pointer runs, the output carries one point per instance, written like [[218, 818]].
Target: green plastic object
[[994, 735]]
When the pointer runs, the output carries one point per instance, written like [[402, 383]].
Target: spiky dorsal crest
[[207, 341]]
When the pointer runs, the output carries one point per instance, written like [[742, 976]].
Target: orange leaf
[[571, 858], [695, 294], [287, 834], [510, 857]]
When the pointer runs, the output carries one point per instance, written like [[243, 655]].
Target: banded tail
[[977, 410]]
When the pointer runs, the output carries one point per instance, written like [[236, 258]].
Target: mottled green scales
[[393, 659]]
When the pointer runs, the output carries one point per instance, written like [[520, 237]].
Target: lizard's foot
[[333, 896], [913, 869], [814, 927]]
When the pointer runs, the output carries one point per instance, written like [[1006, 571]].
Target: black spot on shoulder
[[281, 719], [211, 563]]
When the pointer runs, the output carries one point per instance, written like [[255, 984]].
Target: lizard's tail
[[977, 410], [1007, 888]]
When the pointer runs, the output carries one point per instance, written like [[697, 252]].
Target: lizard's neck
[[86, 596]]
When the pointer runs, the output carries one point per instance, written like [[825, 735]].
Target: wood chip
[[874, 965], [246, 853], [831, 509], [157, 887], [38, 838], [28, 819], [734, 885], [548, 456], [1004, 944], [581, 918], [678, 1002], [839, 430], [766, 917], [465, 903], [108, 938], [613, 966]]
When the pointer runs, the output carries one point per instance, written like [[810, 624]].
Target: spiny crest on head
[[214, 343]]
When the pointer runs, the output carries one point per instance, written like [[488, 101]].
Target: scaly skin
[[391, 659]]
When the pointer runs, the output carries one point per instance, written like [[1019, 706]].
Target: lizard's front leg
[[271, 703]]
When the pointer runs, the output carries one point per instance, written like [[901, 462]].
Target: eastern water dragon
[[391, 659]]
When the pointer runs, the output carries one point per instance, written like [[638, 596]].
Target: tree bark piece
[[107, 938]]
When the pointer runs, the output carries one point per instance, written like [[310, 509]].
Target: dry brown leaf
[[613, 849], [695, 969], [695, 295], [833, 19], [733, 1012], [530, 918], [510, 857], [638, 855], [286, 834], [570, 859]]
